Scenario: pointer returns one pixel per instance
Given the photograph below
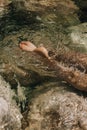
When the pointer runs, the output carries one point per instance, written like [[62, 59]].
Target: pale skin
[[28, 46]]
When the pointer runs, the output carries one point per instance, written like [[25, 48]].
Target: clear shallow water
[[16, 27]]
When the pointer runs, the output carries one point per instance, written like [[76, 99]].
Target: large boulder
[[55, 107], [10, 116]]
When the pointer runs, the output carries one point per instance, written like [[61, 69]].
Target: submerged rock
[[52, 109], [78, 36], [62, 12], [35, 5], [4, 7], [57, 108], [10, 116]]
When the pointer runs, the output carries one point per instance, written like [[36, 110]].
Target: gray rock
[[57, 109], [10, 116], [78, 36]]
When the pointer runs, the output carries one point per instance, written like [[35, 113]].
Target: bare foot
[[27, 46], [42, 50]]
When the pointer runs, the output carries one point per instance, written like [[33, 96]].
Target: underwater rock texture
[[10, 116], [43, 22], [35, 5], [78, 36], [47, 11], [56, 108], [4, 6]]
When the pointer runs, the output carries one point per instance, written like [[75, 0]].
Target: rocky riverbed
[[45, 101]]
